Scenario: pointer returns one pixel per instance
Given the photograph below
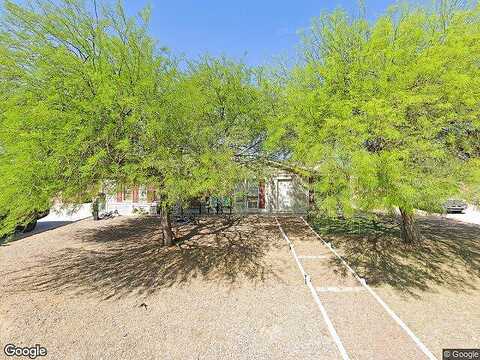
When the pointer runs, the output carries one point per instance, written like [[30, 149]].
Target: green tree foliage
[[76, 83], [215, 116], [190, 147], [386, 112], [88, 98]]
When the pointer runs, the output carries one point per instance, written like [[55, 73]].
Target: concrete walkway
[[59, 216], [364, 327]]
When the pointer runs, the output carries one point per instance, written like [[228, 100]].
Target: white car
[[455, 206]]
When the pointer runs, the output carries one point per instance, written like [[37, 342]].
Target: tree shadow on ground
[[447, 257], [126, 257]]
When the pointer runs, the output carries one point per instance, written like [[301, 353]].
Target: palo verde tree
[[77, 80], [190, 146], [90, 99], [387, 113]]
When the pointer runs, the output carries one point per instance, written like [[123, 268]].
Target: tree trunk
[[95, 208], [166, 225], [410, 233]]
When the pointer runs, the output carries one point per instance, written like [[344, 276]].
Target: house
[[281, 192], [130, 200]]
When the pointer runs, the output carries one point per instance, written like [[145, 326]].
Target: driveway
[[107, 290], [60, 216]]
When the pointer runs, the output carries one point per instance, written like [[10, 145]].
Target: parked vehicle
[[455, 206]]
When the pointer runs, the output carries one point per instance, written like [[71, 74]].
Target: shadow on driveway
[[126, 257], [448, 255], [39, 228], [43, 226]]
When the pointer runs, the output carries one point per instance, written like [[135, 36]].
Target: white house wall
[[128, 207], [296, 194]]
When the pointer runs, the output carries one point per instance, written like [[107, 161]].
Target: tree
[[189, 147], [90, 99], [76, 82], [387, 112]]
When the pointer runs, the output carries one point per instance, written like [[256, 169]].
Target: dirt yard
[[232, 290], [434, 287], [106, 290]]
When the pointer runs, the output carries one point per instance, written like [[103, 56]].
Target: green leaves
[[377, 108], [386, 112], [87, 98]]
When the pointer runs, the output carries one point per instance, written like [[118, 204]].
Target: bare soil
[[230, 289], [106, 290], [434, 286]]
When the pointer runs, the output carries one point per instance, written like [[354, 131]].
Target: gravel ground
[[443, 319], [105, 290], [364, 327], [434, 287], [231, 290]]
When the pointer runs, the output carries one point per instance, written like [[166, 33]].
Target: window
[[249, 194], [252, 194], [151, 194], [252, 202]]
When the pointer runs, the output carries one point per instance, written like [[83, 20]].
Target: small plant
[[139, 211]]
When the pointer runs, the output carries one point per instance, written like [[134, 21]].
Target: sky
[[254, 31]]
